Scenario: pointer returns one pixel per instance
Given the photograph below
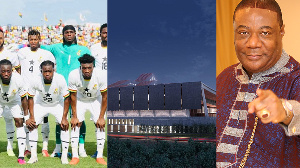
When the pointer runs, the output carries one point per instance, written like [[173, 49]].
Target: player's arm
[[24, 105], [73, 99], [16, 63], [64, 122], [30, 122], [18, 68], [47, 47], [23, 93], [74, 119], [29, 119], [101, 121]]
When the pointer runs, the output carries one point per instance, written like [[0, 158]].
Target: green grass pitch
[[90, 146]]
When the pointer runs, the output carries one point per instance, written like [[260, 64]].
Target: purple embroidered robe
[[274, 145]]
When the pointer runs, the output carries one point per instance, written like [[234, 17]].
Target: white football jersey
[[100, 54], [12, 93], [49, 94], [12, 57], [88, 90], [30, 61]]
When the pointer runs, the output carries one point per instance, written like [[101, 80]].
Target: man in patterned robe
[[259, 110]]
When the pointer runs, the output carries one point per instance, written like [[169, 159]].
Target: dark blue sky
[[173, 39]]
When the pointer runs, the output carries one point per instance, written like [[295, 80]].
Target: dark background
[[173, 39]]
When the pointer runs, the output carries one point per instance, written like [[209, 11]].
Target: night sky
[[173, 39]]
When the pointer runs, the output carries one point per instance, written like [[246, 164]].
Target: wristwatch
[[288, 109]]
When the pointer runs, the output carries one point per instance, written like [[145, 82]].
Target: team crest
[[40, 59], [55, 91], [95, 86], [14, 91], [78, 53]]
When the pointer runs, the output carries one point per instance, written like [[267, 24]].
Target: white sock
[[45, 145], [21, 136], [33, 138], [81, 147], [10, 144], [27, 147], [100, 135], [45, 134], [64, 136], [10, 131], [57, 148], [74, 141], [33, 153]]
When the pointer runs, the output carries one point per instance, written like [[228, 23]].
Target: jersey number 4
[[31, 69]]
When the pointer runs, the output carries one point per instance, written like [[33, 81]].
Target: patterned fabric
[[274, 145]]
